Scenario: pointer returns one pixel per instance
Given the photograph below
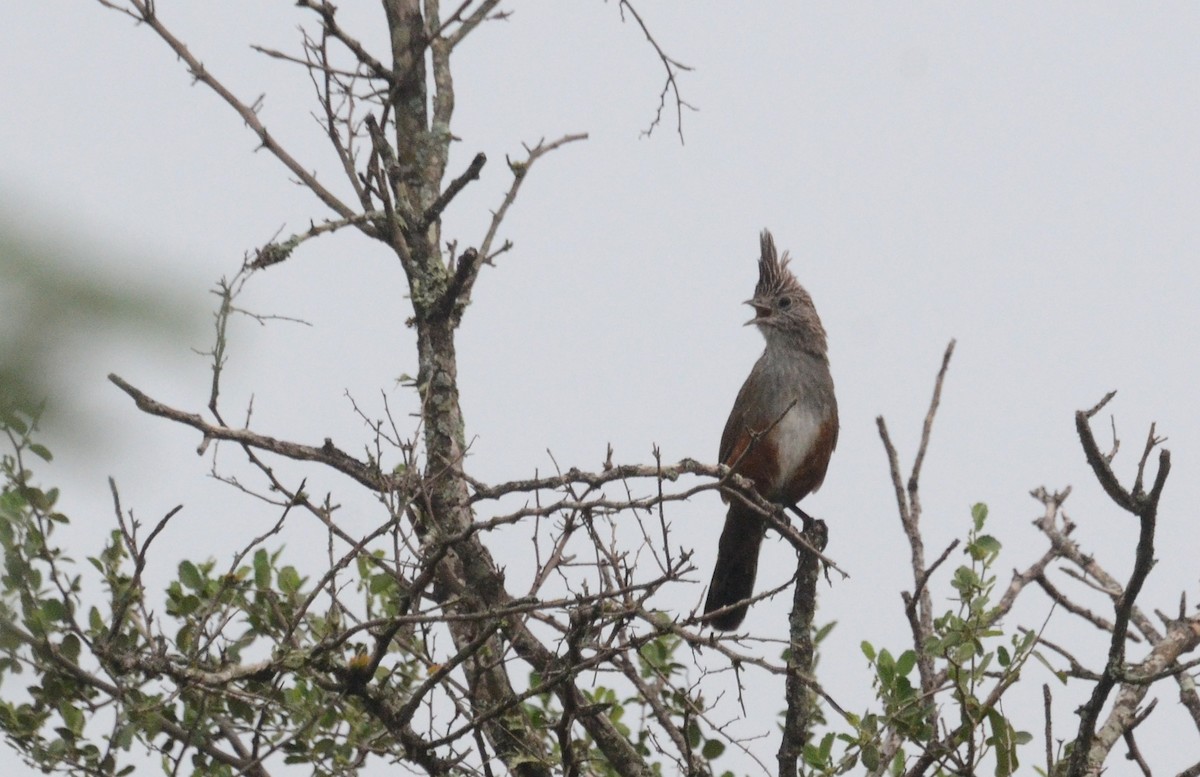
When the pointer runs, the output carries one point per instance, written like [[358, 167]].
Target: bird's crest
[[773, 273]]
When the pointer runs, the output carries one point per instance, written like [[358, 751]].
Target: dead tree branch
[[1090, 747], [909, 504]]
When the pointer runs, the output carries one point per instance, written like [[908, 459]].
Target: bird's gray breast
[[796, 391]]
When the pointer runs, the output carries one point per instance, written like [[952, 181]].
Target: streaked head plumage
[[774, 277], [781, 304]]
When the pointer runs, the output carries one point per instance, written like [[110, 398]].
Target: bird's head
[[783, 310]]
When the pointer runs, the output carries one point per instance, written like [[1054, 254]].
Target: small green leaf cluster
[[903, 711], [960, 720], [660, 675], [965, 638], [238, 650], [47, 719], [666, 677]]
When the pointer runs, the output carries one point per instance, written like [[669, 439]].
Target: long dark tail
[[737, 566]]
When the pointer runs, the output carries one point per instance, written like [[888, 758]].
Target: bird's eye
[[785, 303]]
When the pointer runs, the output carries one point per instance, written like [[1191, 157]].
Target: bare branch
[[927, 428], [146, 14], [1135, 754], [909, 503], [278, 251], [327, 12], [483, 13], [305, 63], [1091, 746], [519, 171], [1070, 606], [672, 67], [434, 211], [327, 454]]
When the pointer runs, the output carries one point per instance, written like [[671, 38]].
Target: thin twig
[[520, 170], [671, 65], [146, 15]]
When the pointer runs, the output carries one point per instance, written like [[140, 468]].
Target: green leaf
[[72, 717], [712, 749], [870, 756], [979, 513], [289, 580], [983, 547], [188, 604], [906, 662], [41, 451], [885, 667], [190, 576], [826, 747], [185, 636], [868, 650], [988, 543], [262, 570], [9, 641], [1001, 740], [70, 648], [537, 717], [823, 632], [54, 610], [965, 581], [382, 583], [37, 499]]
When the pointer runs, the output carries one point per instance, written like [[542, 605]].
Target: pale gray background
[[1021, 176]]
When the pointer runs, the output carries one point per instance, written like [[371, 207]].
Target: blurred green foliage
[[56, 299]]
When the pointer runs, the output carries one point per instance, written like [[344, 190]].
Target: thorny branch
[[144, 11]]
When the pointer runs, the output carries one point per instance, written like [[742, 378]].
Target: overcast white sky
[[1021, 176]]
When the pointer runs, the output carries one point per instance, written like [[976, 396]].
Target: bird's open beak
[[761, 310]]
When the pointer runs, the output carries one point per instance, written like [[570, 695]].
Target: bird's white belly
[[794, 438]]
